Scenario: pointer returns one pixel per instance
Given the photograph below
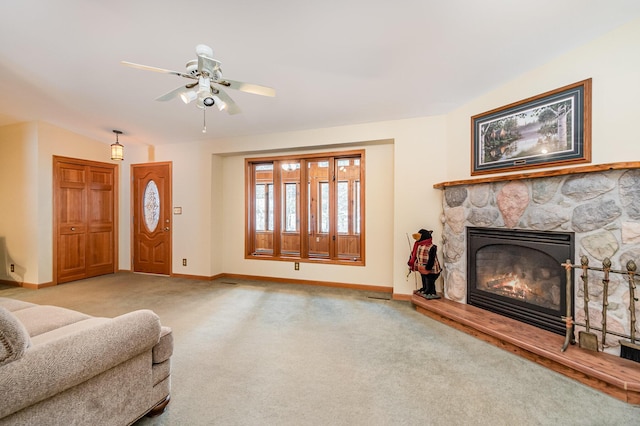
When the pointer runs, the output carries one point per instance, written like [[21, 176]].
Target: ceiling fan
[[206, 87]]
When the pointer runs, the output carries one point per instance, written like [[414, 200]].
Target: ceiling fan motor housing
[[192, 67]]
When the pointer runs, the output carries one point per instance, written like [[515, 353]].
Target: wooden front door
[[85, 240], [152, 218]]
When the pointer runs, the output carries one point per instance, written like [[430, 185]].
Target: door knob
[[73, 228], [166, 228]]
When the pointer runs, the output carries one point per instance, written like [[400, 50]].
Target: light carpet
[[262, 353]]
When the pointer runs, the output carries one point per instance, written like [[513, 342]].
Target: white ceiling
[[332, 62]]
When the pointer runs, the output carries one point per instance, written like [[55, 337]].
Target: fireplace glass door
[[519, 274]]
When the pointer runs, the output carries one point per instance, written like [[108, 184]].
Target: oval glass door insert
[[151, 206]]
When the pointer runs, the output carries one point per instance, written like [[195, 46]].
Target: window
[[306, 207]]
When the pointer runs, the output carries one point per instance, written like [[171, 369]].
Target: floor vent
[[380, 297]]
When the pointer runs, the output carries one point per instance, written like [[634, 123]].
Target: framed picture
[[549, 129]]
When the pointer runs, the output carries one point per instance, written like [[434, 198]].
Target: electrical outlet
[[184, 262], [296, 266], [13, 267]]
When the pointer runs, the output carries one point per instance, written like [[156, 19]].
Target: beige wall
[[26, 192], [19, 201], [423, 151], [611, 61], [399, 196], [415, 154]]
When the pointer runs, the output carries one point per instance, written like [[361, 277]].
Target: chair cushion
[[14, 339], [40, 319], [13, 305]]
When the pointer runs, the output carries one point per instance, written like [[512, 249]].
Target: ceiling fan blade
[[154, 69], [248, 87], [175, 92], [231, 108]]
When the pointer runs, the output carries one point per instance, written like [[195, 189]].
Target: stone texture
[[601, 244], [632, 254], [630, 232], [547, 217], [455, 196], [543, 190], [513, 200], [480, 195], [454, 217], [594, 215], [587, 186], [483, 217], [453, 248], [629, 187], [456, 286], [606, 225]]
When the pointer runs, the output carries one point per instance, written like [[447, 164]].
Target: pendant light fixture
[[117, 150]]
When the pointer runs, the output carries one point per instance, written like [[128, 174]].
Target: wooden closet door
[[84, 219], [100, 257]]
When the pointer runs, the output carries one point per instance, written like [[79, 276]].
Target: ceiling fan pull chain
[[204, 120]]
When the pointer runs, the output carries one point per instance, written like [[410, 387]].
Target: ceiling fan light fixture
[[189, 96], [219, 103], [117, 150]]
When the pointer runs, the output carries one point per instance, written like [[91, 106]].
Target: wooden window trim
[[277, 255]]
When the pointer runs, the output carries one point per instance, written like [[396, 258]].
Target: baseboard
[[31, 286], [365, 287], [11, 283], [193, 277], [403, 297]]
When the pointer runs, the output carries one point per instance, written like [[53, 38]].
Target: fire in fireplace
[[518, 273]]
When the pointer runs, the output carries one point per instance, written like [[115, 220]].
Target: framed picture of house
[[550, 129]]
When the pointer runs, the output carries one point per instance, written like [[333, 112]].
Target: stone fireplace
[[515, 273], [599, 205]]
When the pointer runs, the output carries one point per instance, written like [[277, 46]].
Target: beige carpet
[[255, 353]]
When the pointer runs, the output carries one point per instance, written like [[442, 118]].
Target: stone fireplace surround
[[600, 204]]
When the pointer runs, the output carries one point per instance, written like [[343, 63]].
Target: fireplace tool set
[[631, 350], [587, 339]]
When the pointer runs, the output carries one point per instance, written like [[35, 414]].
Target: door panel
[[84, 219], [100, 248], [152, 218]]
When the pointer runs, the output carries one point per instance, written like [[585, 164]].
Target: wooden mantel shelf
[[546, 173]]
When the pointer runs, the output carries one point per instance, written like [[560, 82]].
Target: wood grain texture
[[607, 373], [546, 173]]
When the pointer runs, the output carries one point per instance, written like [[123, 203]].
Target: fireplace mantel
[[542, 174], [600, 204]]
